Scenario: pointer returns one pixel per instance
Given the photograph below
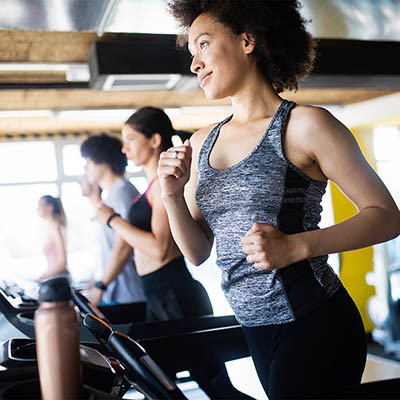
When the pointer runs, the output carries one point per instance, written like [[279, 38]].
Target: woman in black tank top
[[170, 290]]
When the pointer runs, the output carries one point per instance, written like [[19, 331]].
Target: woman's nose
[[196, 65]]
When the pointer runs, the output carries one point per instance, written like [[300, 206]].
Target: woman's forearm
[[370, 226], [119, 256], [188, 234], [145, 242]]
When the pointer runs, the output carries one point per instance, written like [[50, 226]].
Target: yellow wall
[[356, 264]]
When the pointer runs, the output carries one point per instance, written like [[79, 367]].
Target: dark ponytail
[[58, 209], [151, 120]]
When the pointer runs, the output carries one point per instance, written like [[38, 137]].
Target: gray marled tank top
[[263, 187]]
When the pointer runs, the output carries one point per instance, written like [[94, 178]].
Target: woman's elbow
[[196, 261], [392, 223], [397, 225], [197, 258], [163, 255], [200, 254]]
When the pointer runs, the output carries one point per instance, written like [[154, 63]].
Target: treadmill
[[173, 345]]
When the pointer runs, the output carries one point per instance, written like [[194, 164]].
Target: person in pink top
[[52, 211]]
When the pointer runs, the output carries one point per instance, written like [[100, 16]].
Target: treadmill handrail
[[144, 373]]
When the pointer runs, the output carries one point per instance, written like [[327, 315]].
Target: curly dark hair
[[105, 149], [284, 50]]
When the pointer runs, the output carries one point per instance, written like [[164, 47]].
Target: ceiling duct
[[343, 63], [145, 62], [154, 62]]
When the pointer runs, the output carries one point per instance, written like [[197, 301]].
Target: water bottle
[[57, 341]]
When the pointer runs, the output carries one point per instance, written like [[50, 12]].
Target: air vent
[[141, 82], [145, 62]]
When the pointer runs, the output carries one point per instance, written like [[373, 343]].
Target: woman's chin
[[212, 95]]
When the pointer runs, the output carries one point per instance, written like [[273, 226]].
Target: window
[[386, 141], [386, 149], [21, 231], [27, 162], [73, 163], [28, 170]]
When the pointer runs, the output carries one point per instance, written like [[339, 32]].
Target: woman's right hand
[[90, 190], [95, 295], [174, 169]]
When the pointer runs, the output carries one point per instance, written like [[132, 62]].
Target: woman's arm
[[178, 180], [334, 150], [59, 242], [340, 160], [155, 244], [117, 259]]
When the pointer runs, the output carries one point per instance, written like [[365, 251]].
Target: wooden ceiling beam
[[49, 46], [86, 98], [73, 47]]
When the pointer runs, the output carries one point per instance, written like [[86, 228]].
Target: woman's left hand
[[103, 212], [268, 248]]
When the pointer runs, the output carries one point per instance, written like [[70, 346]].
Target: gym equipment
[[141, 371]]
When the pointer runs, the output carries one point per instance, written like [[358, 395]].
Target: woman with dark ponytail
[[52, 211], [170, 290]]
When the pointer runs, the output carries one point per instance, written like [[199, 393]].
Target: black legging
[[324, 349], [172, 293]]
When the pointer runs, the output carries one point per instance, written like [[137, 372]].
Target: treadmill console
[[19, 297]]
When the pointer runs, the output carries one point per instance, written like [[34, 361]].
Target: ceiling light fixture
[[74, 72], [26, 114]]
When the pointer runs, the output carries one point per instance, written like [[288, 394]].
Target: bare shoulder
[[55, 227], [311, 126], [155, 191], [154, 194], [56, 230], [312, 118], [315, 141], [198, 138]]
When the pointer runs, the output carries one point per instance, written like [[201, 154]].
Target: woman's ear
[[156, 140], [249, 42]]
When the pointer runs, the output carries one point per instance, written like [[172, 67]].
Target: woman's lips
[[204, 78]]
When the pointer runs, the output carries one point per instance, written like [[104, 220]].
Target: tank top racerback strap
[[145, 193]]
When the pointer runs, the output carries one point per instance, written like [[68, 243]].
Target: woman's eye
[[203, 44]]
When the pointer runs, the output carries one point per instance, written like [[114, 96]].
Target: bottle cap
[[54, 289]]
